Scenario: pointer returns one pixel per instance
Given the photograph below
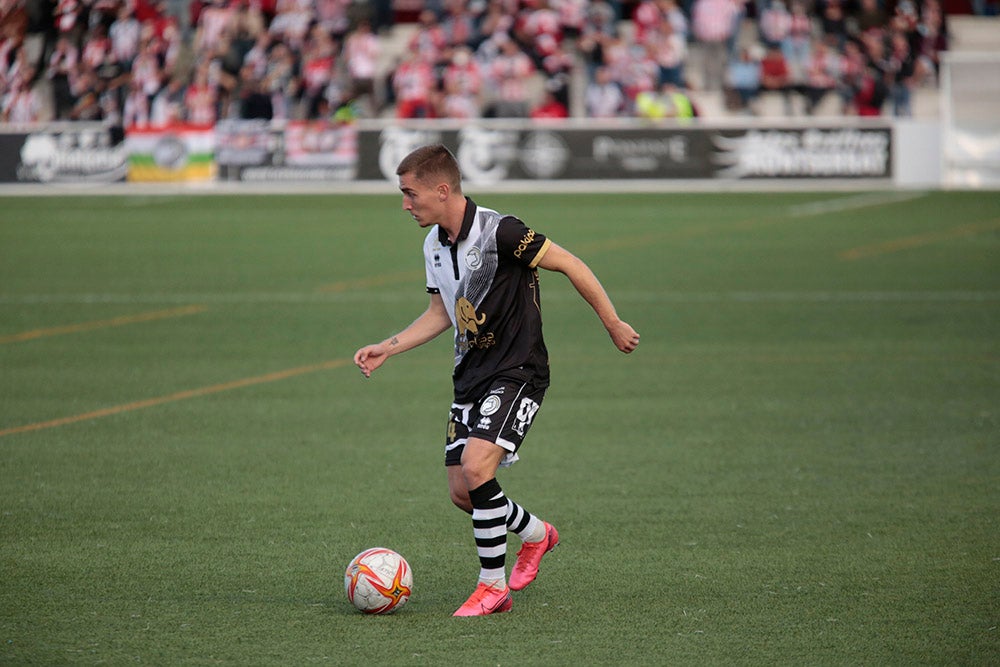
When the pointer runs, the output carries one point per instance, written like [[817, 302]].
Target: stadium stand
[[150, 62]]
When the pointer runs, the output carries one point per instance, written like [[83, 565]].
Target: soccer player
[[483, 281]]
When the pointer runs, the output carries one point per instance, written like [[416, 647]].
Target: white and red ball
[[378, 581]]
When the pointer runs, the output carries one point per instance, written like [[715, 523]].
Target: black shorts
[[502, 416]]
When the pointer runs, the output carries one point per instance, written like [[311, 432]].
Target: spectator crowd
[[155, 62]]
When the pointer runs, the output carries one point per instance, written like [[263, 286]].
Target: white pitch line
[[417, 295], [852, 203]]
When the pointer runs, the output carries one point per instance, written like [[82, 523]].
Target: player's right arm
[[431, 324]]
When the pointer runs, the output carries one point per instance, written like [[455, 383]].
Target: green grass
[[800, 464]]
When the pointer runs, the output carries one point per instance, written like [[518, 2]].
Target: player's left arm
[[557, 258]]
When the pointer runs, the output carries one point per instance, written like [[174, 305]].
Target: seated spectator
[[604, 97], [743, 78], [852, 70], [775, 76], [870, 93], [550, 107], [821, 75], [669, 102]]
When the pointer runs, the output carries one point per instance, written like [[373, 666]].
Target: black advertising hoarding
[[304, 151], [490, 153], [64, 153], [10, 155]]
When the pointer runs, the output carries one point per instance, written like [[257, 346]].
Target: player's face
[[421, 201]]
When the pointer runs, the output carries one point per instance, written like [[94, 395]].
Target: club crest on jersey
[[473, 258], [466, 316]]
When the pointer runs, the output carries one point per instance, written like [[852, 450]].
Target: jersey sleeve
[[519, 243], [431, 255]]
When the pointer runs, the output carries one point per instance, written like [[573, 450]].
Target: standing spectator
[[95, 46], [429, 40], [256, 57], [86, 91], [833, 22], [332, 16], [361, 54], [646, 18], [797, 45], [318, 63], [167, 107], [572, 15], [213, 21], [280, 79], [676, 16], [291, 24], [604, 97], [125, 33], [135, 111], [21, 103], [640, 74], [412, 83], [112, 85], [67, 15], [774, 24], [61, 70], [200, 98], [598, 31], [459, 25], [253, 97], [462, 80], [670, 52], [508, 74], [146, 71], [870, 16], [713, 23], [933, 37], [904, 74]]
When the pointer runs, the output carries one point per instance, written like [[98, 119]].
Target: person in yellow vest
[[669, 102]]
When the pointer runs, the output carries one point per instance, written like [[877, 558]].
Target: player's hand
[[369, 358], [624, 336]]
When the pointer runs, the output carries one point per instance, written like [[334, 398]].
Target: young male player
[[483, 282]]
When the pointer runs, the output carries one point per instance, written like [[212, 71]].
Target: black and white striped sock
[[523, 523], [489, 527]]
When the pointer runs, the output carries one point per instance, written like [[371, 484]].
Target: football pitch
[[800, 465]]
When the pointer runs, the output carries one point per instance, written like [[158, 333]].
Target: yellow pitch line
[[179, 396], [905, 243], [103, 324]]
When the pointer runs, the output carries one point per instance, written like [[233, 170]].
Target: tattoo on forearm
[[394, 341]]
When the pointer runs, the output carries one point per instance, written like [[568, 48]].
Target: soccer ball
[[378, 581]]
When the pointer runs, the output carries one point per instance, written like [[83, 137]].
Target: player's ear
[[443, 190]]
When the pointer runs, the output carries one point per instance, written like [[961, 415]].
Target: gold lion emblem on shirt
[[468, 319]]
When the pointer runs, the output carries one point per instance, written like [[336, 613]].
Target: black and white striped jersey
[[489, 283]]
